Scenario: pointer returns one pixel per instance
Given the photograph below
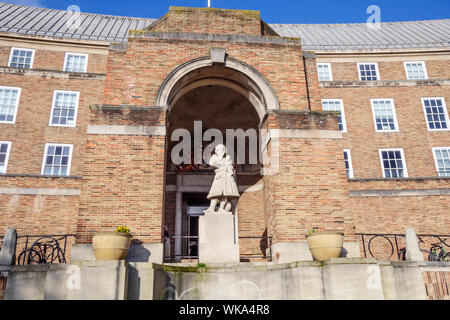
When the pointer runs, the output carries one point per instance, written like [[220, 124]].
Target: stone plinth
[[217, 239]]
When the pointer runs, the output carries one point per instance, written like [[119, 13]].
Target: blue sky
[[272, 11]]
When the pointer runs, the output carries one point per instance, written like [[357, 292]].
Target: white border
[[344, 121], [69, 164], [7, 155], [79, 54], [435, 159], [376, 69], [17, 103], [423, 66], [17, 48], [394, 113], [350, 163], [445, 113], [53, 106], [330, 72], [405, 169]]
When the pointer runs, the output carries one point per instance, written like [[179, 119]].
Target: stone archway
[[255, 82], [239, 97]]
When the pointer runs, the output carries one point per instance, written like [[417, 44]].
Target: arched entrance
[[222, 97]]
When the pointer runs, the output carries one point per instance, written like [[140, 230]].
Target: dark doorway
[[193, 207]]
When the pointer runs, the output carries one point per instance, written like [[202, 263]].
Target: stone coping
[[106, 107], [385, 83], [226, 268], [190, 36], [24, 175], [434, 264], [64, 266], [54, 73], [397, 179]]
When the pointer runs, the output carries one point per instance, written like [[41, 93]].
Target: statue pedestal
[[217, 239]]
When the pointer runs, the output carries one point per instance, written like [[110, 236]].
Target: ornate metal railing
[[41, 249], [389, 245]]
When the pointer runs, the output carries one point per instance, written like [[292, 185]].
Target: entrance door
[[195, 205]]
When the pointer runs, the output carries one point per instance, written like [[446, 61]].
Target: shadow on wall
[[138, 253]]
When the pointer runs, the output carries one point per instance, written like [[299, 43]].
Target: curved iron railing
[[41, 249], [434, 247]]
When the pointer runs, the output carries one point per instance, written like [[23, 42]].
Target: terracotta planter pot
[[111, 245], [325, 245]]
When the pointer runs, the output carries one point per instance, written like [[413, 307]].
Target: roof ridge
[[357, 23]]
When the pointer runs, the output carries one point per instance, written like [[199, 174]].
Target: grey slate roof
[[391, 35], [52, 23]]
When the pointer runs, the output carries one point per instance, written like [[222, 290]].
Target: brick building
[[88, 106]]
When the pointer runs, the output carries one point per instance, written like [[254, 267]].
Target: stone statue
[[224, 187]]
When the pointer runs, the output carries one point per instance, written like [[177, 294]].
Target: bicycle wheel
[[446, 257]]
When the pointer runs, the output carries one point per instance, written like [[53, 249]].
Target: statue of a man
[[224, 188]]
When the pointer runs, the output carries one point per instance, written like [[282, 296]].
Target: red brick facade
[[125, 179]]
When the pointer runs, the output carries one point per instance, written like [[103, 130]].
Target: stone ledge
[[399, 193], [397, 179], [41, 191], [190, 36], [305, 134], [53, 74], [105, 107], [385, 83], [25, 175], [126, 130], [336, 261]]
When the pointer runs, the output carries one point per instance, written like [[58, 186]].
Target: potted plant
[[325, 245], [112, 245]]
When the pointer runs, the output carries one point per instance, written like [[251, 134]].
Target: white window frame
[[69, 163], [344, 121], [7, 155], [351, 174], [376, 69], [435, 158], [444, 105], [330, 73], [17, 48], [394, 112], [16, 106], [79, 54], [405, 169], [55, 93], [417, 62]]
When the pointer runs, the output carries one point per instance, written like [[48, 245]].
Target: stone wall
[[343, 279]]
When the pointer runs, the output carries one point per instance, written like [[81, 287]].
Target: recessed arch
[[260, 92], [252, 97]]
